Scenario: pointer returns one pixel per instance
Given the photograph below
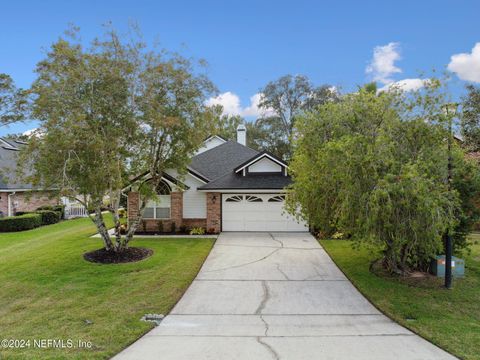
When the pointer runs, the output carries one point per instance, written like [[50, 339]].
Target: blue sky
[[248, 43]]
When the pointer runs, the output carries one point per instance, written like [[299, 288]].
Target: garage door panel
[[255, 213]]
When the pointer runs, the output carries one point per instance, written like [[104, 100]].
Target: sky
[[249, 43]]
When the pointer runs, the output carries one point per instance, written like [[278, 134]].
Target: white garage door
[[257, 212]]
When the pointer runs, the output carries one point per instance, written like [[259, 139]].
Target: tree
[[13, 101], [375, 168], [172, 120], [81, 98], [283, 100], [108, 113], [470, 124], [224, 125]]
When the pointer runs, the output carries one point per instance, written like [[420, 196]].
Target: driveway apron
[[276, 296]]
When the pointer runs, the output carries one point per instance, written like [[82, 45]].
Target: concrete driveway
[[276, 296]]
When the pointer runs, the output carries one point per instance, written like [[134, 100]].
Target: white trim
[[196, 177], [243, 191], [214, 136], [282, 164], [9, 204]]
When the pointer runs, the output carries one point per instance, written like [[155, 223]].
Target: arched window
[[159, 208]]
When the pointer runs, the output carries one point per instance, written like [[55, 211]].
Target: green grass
[[48, 291], [448, 318]]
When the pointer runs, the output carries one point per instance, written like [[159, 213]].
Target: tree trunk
[[102, 229]]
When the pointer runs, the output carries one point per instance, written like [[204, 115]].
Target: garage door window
[[278, 198], [251, 198], [235, 198]]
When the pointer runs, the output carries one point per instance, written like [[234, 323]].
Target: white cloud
[[31, 132], [229, 101], [231, 105], [382, 66], [405, 85], [467, 65]]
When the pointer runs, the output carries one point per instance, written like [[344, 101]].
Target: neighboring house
[[14, 194], [228, 187]]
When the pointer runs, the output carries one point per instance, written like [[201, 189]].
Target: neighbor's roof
[[221, 159], [9, 150]]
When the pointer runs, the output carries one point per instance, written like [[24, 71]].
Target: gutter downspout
[[9, 203]]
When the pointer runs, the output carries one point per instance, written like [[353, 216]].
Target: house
[[228, 187], [15, 195]]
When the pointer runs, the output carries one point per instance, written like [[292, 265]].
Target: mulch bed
[[131, 254]]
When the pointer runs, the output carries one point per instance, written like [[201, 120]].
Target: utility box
[[438, 266]]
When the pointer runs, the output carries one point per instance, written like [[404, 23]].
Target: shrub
[[49, 216], [174, 227], [183, 229], [20, 223], [123, 229], [18, 213], [45, 207], [60, 209], [197, 231], [122, 213]]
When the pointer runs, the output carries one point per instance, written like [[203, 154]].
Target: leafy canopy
[[375, 167]]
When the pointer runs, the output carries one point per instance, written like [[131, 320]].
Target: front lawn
[[48, 291], [448, 318]]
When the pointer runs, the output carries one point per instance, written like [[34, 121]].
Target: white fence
[[74, 211]]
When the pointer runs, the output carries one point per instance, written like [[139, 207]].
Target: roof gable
[[261, 157], [210, 143], [221, 160]]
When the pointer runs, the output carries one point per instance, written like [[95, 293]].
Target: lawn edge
[[180, 297], [378, 308]]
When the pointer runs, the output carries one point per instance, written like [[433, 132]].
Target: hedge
[[19, 223], [58, 208], [49, 216]]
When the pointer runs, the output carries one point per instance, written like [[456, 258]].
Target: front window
[[159, 208]]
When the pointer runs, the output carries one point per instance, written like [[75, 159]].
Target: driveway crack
[[282, 272], [275, 239], [245, 264], [269, 348], [267, 327], [265, 298]]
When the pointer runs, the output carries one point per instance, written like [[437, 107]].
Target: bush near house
[[49, 216], [20, 223], [58, 208]]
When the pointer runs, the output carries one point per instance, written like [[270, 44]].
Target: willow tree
[[375, 167], [109, 112]]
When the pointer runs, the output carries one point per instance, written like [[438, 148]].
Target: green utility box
[[438, 266]]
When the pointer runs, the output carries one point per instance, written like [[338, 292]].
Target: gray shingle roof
[[221, 160], [251, 181], [8, 166]]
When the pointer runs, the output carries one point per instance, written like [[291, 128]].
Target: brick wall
[[26, 201], [214, 202], [191, 223], [176, 208]]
